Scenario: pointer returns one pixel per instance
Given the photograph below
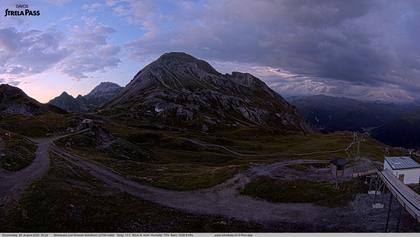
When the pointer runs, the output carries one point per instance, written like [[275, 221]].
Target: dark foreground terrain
[[68, 199]]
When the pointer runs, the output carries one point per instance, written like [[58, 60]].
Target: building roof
[[402, 162]]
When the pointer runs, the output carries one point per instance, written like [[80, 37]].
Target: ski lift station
[[404, 168]]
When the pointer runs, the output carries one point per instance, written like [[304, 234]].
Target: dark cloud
[[370, 45], [82, 51], [90, 50], [28, 52], [325, 13]]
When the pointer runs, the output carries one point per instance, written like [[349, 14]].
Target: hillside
[[401, 132], [179, 90], [13, 101], [329, 114], [24, 115]]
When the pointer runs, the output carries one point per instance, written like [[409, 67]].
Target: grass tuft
[[303, 191]]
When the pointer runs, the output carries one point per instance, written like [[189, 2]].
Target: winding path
[[12, 184], [223, 199], [237, 153]]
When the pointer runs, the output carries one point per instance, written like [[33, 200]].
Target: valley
[[395, 124]]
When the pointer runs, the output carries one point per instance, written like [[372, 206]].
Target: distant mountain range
[[100, 95], [392, 124], [182, 91], [402, 132], [329, 114]]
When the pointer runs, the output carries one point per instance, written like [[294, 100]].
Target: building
[[86, 123], [404, 168]]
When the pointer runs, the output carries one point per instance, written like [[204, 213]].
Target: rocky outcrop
[[180, 90]]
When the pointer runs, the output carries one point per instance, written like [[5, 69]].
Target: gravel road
[[223, 199]]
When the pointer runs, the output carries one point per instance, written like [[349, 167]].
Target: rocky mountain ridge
[[180, 90], [93, 100], [329, 114]]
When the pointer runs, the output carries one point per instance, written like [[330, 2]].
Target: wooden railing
[[408, 199]]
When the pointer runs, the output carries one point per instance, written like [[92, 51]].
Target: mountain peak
[[174, 70], [180, 90], [6, 88], [104, 89], [107, 83], [177, 55], [173, 60], [65, 94], [101, 94]]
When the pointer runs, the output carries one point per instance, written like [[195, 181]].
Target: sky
[[363, 49]]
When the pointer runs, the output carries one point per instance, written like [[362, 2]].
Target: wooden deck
[[409, 199]]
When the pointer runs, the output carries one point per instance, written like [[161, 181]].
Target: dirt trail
[[16, 182], [12, 184], [225, 200], [237, 153], [222, 199]]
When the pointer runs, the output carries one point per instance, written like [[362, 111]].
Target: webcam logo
[[21, 10]]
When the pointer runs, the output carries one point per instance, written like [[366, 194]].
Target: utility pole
[[358, 148]]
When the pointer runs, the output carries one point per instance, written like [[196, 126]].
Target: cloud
[[9, 81], [90, 50], [365, 44], [82, 51], [58, 2], [29, 52], [310, 86], [356, 48], [93, 7]]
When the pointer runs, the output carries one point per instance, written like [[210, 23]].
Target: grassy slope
[[69, 199], [321, 193], [176, 163], [254, 141], [37, 126], [18, 152], [172, 169]]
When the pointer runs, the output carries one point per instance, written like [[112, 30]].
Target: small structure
[[86, 123], [404, 168], [337, 166]]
